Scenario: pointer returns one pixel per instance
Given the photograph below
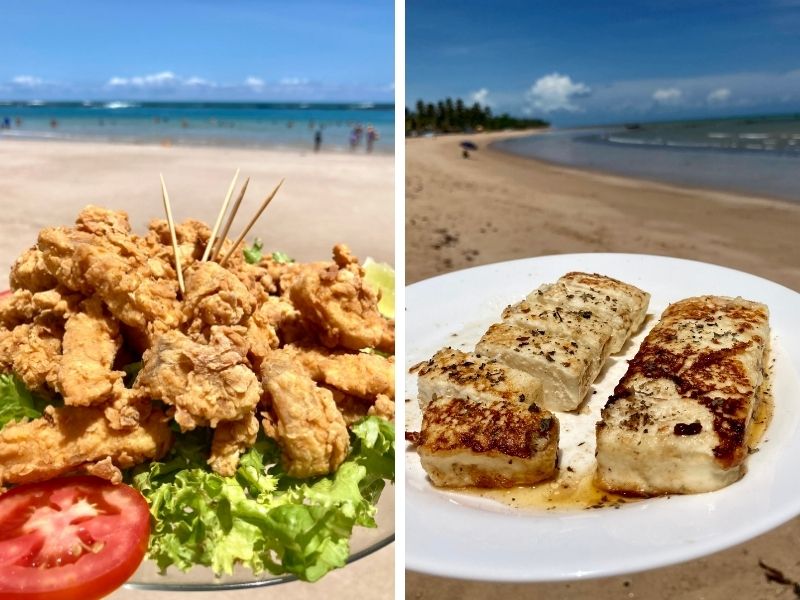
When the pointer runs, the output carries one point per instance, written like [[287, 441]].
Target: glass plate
[[364, 542]]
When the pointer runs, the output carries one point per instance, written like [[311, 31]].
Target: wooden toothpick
[[171, 224], [222, 211], [221, 239], [252, 222]]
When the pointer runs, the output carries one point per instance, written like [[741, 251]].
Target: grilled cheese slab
[[452, 373], [678, 420], [581, 326], [629, 297], [602, 305], [494, 443], [565, 366]]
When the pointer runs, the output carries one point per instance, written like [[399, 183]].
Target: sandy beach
[[495, 207], [327, 198]]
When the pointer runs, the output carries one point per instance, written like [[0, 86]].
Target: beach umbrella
[[468, 146]]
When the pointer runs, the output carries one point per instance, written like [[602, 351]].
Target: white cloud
[[161, 79], [254, 83], [719, 96], [292, 81], [670, 95], [556, 92], [199, 81], [27, 81], [481, 97]]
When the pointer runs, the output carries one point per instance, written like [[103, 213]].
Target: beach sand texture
[[495, 207], [327, 198]]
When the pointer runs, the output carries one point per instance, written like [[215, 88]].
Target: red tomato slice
[[70, 538]]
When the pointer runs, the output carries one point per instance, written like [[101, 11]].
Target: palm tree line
[[448, 116]]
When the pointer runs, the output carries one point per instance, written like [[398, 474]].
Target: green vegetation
[[450, 116]]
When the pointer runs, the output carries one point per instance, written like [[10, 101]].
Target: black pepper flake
[[688, 428], [586, 314]]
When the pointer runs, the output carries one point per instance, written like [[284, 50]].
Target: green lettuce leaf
[[17, 402], [261, 517], [282, 257], [253, 254]]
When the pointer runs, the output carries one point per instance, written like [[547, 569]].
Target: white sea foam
[[116, 105], [754, 136]]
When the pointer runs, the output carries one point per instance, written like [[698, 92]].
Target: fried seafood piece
[[255, 277], [29, 272], [33, 352], [340, 307], [383, 407], [214, 296], [102, 221], [351, 408], [22, 306], [143, 296], [304, 420], [192, 237], [139, 289], [126, 408], [367, 376], [16, 308], [231, 438], [358, 374], [90, 344], [69, 438], [206, 382], [57, 246], [490, 444], [274, 320], [58, 302]]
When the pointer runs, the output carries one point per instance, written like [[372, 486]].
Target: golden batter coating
[[70, 438]]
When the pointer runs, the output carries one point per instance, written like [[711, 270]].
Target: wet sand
[[495, 207]]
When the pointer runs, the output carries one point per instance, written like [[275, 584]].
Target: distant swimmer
[[317, 140], [53, 124], [6, 123]]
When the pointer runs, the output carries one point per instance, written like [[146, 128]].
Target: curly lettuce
[[17, 402], [261, 517]]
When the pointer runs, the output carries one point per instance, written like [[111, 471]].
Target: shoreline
[[665, 185], [711, 171], [46, 184], [167, 142], [519, 207]]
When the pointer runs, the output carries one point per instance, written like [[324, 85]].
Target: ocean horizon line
[[136, 103]]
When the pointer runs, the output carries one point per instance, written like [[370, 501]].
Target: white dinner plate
[[461, 535]]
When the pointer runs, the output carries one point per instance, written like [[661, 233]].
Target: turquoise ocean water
[[290, 125], [753, 155]]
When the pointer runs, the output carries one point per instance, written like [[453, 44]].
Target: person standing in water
[[317, 140], [372, 137]]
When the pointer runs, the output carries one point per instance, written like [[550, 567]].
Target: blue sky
[[198, 50], [585, 62]]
